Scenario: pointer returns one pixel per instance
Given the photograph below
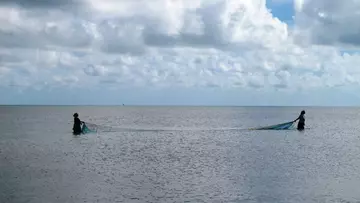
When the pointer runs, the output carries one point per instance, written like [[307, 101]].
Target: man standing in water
[[77, 125], [301, 123]]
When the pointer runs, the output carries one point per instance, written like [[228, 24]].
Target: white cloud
[[198, 43]]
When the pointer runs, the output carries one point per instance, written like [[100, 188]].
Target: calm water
[[179, 154]]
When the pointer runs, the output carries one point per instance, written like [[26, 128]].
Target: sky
[[180, 52]]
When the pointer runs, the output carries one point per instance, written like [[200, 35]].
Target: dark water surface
[[179, 154]]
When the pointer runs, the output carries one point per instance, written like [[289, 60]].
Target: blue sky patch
[[282, 10]]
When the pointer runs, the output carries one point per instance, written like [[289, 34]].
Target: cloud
[[65, 80], [329, 22], [177, 43], [4, 71], [41, 3], [95, 70]]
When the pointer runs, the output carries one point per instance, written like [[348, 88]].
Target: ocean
[[179, 154]]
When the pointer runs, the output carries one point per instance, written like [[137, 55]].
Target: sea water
[[179, 154]]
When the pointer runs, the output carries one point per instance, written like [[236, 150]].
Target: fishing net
[[94, 128], [281, 126]]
